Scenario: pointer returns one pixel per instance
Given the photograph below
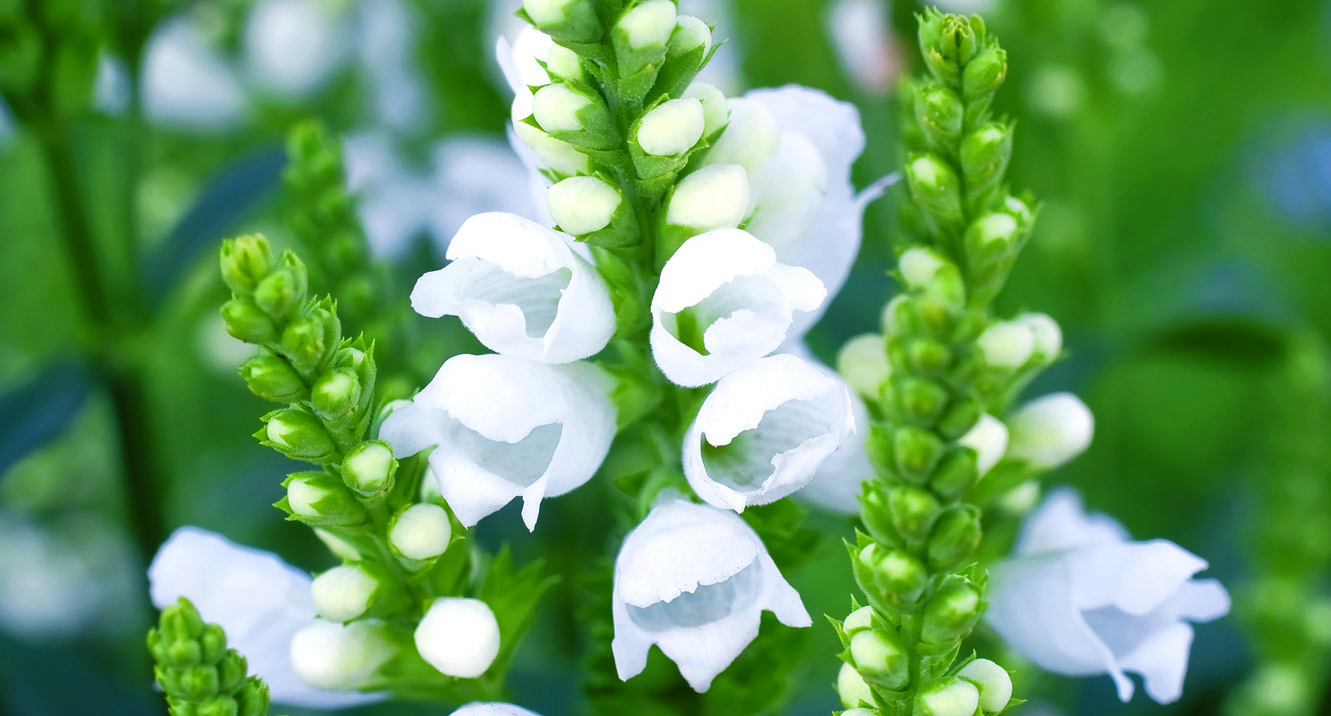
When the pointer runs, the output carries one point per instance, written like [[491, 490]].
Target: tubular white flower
[[458, 636], [258, 600], [989, 439], [723, 301], [492, 709], [332, 656], [507, 428], [1051, 430], [694, 580], [767, 428], [1078, 598], [521, 289], [714, 197]]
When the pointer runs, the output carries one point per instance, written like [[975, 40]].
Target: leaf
[[513, 595], [35, 413]]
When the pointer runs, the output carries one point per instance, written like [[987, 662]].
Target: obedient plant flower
[[521, 289], [264, 606], [1078, 597], [694, 580], [505, 428], [521, 63], [458, 636], [1050, 430], [723, 301], [764, 431], [837, 483]]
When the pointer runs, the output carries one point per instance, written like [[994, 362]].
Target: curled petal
[[764, 431], [723, 301], [507, 428], [521, 289], [694, 580]]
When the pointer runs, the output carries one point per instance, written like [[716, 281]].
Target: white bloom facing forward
[[765, 430], [724, 301], [507, 428], [261, 603], [522, 289], [1078, 598], [694, 580], [1050, 430]]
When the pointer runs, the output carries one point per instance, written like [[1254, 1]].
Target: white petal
[[837, 484], [787, 196], [730, 287], [768, 427], [1162, 660], [1051, 430], [1134, 577], [988, 438], [475, 173], [521, 289], [832, 125], [458, 636], [258, 600], [1062, 524], [187, 82], [293, 46], [328, 655], [492, 709]]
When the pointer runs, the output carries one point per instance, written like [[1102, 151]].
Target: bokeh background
[[1182, 152]]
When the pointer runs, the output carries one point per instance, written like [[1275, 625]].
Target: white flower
[[694, 580], [293, 47], [1050, 430], [507, 428], [764, 430], [327, 655], [1078, 598], [258, 600], [867, 50], [723, 301], [189, 83], [989, 439], [458, 636], [492, 709], [838, 482], [522, 289], [521, 64]]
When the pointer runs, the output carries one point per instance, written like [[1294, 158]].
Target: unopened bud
[[563, 63], [898, 315], [248, 322], [984, 155], [990, 238], [935, 187], [917, 451], [1018, 210], [857, 621], [336, 395], [671, 128], [989, 439], [690, 34], [1048, 336], [880, 658], [642, 35], [583, 204], [245, 261], [714, 109], [1007, 344], [955, 697], [331, 656], [421, 532], [1051, 430], [851, 688], [713, 197], [955, 537], [318, 498], [913, 511], [573, 113], [283, 289], [993, 683], [343, 593], [273, 379], [918, 266], [565, 20], [296, 433], [957, 472], [458, 637], [951, 613], [900, 576], [939, 113], [369, 467], [862, 363], [984, 73]]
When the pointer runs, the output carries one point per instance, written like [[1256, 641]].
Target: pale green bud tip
[[369, 468], [1007, 345], [690, 33], [989, 439], [672, 128], [1048, 336], [956, 698], [556, 108], [929, 172], [421, 532], [711, 198], [994, 228], [861, 618], [714, 107], [336, 394], [1051, 430], [581, 205], [889, 319], [563, 63], [245, 261], [649, 24], [851, 688], [301, 496], [992, 681], [862, 362], [343, 593], [918, 266], [338, 546], [875, 656], [1018, 209]]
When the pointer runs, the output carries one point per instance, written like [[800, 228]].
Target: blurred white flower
[[862, 37], [764, 431], [492, 709], [294, 47], [694, 580], [989, 439], [262, 604], [328, 655], [723, 300], [385, 45], [522, 289], [1050, 430], [1078, 598], [507, 428], [189, 83]]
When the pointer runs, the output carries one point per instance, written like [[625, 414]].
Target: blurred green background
[[1182, 152]]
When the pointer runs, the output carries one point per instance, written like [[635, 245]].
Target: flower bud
[[574, 113], [879, 658], [918, 266], [690, 34], [984, 73], [984, 155], [862, 363], [922, 401], [245, 262], [993, 683], [955, 537], [272, 378], [342, 658], [913, 511], [641, 37], [458, 637], [247, 322], [928, 356], [851, 688], [309, 338], [421, 532], [283, 289], [565, 20], [957, 472], [583, 204], [917, 451], [900, 576], [343, 593], [990, 239], [369, 467], [252, 698], [857, 621], [296, 433], [1006, 344], [874, 495], [951, 613], [947, 42], [935, 187], [939, 113], [671, 128], [713, 197], [898, 315], [563, 64], [714, 109], [317, 498], [1048, 336], [989, 439], [1019, 210], [336, 395], [1051, 430], [956, 697]]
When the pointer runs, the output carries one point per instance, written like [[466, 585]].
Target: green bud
[[575, 113], [990, 239], [320, 499], [690, 35], [878, 446], [282, 290], [960, 417], [231, 670], [913, 512], [951, 612], [900, 577], [852, 689], [858, 621], [218, 706], [272, 378], [875, 513], [583, 204], [862, 363], [993, 683], [198, 682], [311, 337], [899, 313], [917, 451], [947, 43], [368, 468], [984, 74], [563, 64], [336, 395], [939, 113], [252, 698], [298, 434], [714, 108], [955, 537], [1019, 210], [935, 188], [955, 474], [248, 322], [245, 261], [880, 659], [984, 156], [671, 128], [421, 532], [928, 356], [572, 21], [954, 697], [641, 38]]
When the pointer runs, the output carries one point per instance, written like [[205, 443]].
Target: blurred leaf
[[39, 411], [513, 595], [40, 681]]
